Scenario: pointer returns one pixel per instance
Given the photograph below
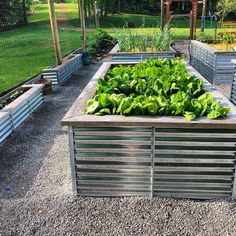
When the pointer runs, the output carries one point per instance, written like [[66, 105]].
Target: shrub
[[97, 41]]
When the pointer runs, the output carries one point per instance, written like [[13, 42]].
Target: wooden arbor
[[192, 15]]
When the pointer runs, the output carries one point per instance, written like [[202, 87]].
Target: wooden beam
[[54, 28], [194, 19], [82, 22], [203, 14], [162, 15], [168, 2], [96, 15]]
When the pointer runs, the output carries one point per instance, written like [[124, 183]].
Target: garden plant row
[[156, 87]]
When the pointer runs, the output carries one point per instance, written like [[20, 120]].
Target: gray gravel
[[36, 197]]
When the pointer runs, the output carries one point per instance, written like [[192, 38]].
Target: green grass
[[27, 50]]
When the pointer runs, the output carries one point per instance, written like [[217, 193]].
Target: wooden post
[[168, 2], [204, 2], [54, 29], [194, 18], [82, 22], [191, 25], [162, 14], [96, 15]]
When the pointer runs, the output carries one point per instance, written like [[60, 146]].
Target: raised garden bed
[[138, 56], [60, 74], [13, 114], [165, 156], [215, 66], [233, 88]]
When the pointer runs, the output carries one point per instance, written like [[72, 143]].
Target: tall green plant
[[162, 40], [228, 39]]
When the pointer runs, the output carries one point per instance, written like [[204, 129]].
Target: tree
[[224, 7]]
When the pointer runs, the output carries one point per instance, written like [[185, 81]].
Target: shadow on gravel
[[25, 151]]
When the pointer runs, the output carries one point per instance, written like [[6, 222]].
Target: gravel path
[[35, 190]]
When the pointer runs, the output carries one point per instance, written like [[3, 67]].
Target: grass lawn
[[25, 51]]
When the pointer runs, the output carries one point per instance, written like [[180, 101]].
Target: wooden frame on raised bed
[[16, 112], [215, 66], [165, 156], [138, 56]]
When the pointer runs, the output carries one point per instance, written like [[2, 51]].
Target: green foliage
[[227, 38], [13, 12], [224, 7], [158, 41], [204, 37], [12, 97], [97, 41], [155, 87], [162, 40]]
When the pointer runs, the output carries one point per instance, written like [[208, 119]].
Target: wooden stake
[[82, 22], [96, 15], [162, 15], [203, 14], [194, 19], [54, 28], [168, 2]]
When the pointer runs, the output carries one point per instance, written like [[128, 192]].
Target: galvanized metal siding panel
[[17, 116], [61, 74], [113, 161], [203, 61], [233, 90], [139, 58], [215, 67], [194, 163], [224, 68], [133, 161], [5, 128]]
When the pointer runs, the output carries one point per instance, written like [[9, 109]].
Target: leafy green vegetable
[[155, 87], [189, 115]]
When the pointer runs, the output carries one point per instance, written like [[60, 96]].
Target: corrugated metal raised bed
[[13, 114], [62, 73], [233, 88], [150, 156], [138, 56], [214, 65]]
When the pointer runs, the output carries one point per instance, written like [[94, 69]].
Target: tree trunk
[[24, 13], [119, 5], [88, 7]]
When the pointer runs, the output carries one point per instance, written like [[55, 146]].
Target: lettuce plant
[[155, 87]]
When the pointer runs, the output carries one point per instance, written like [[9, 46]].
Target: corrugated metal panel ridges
[[194, 164], [113, 165], [20, 115], [133, 161], [64, 72], [233, 90], [216, 68], [123, 58]]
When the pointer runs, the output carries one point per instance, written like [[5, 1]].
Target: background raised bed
[[138, 56], [150, 156], [12, 115], [233, 88], [60, 74], [215, 66]]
